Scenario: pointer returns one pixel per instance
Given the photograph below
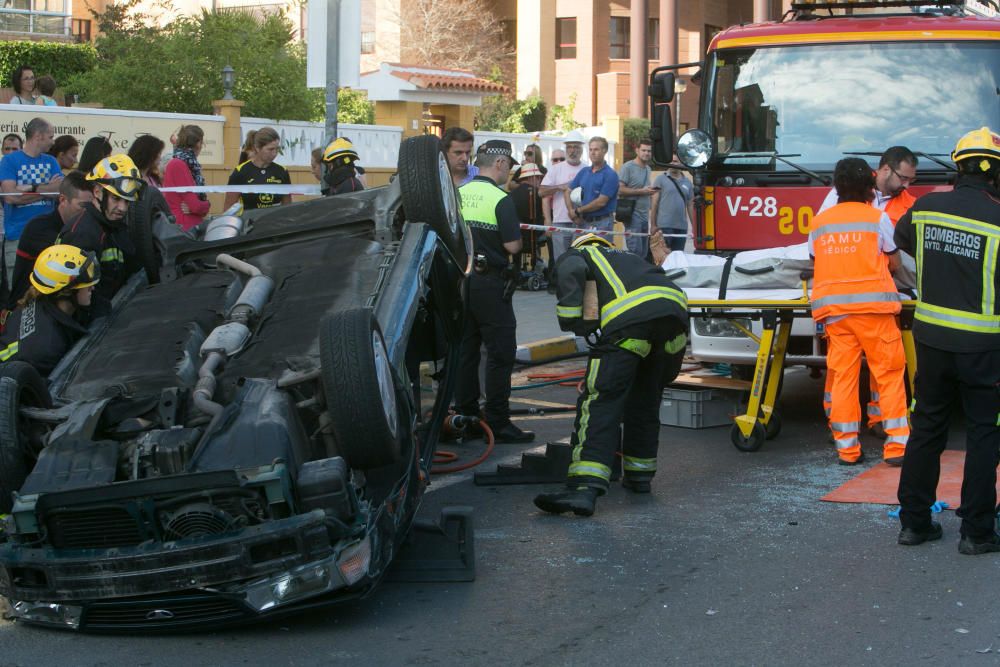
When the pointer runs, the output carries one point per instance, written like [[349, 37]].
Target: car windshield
[[820, 102]]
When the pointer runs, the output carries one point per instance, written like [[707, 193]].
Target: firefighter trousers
[[624, 383], [878, 337], [942, 378]]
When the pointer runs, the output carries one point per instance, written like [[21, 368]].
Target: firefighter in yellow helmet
[[340, 171], [642, 321], [44, 325], [102, 229], [955, 238]]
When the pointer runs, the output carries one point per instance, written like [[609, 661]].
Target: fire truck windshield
[[820, 102]]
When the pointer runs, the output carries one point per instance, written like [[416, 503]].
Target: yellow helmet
[[591, 239], [62, 267], [119, 176], [339, 152], [983, 143]]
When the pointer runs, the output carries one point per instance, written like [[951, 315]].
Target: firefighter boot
[[580, 500]]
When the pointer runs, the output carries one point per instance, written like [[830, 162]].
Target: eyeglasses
[[558, 159], [905, 180]]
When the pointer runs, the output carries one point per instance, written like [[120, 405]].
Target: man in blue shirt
[[599, 190], [30, 174]]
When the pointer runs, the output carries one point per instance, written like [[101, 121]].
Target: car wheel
[[430, 196], [20, 385], [142, 217], [361, 394]]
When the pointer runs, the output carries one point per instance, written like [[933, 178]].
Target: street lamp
[[228, 77], [680, 85]]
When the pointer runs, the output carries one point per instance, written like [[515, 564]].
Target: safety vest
[[628, 291], [479, 204], [959, 256], [898, 205], [851, 273]]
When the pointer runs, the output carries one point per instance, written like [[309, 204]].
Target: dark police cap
[[498, 147]]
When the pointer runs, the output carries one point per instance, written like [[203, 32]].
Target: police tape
[[599, 232], [215, 189]]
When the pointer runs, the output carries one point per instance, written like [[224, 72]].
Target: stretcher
[[775, 308]]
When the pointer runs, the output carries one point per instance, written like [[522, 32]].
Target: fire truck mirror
[[661, 88], [661, 131]]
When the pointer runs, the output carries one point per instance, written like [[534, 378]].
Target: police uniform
[[492, 218], [38, 333], [643, 325], [111, 243], [955, 238]]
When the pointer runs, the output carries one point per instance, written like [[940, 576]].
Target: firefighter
[[101, 228], [955, 238], [855, 299], [643, 325], [43, 326], [340, 171], [489, 316]]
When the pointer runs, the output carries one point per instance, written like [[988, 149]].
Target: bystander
[[672, 207], [260, 169], [635, 185], [598, 190], [564, 168], [457, 146], [65, 149]]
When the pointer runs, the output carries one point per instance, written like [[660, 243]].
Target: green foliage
[[561, 117], [352, 107], [60, 61], [635, 130], [178, 67], [501, 113]]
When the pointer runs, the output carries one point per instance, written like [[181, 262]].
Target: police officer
[[496, 235], [101, 228], [643, 324], [955, 238], [44, 326]]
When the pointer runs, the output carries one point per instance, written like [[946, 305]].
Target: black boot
[[637, 485], [580, 501]]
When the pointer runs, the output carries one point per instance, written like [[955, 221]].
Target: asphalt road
[[733, 560]]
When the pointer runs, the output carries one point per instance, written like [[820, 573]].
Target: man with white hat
[[554, 183]]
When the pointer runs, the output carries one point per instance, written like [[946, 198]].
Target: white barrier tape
[[18, 194], [599, 232], [251, 189]]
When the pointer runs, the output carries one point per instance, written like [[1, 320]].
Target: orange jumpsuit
[[856, 298]]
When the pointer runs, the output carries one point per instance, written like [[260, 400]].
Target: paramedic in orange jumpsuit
[[897, 170], [855, 298]]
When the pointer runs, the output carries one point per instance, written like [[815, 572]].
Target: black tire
[[142, 216], [751, 443], [20, 384], [430, 196], [773, 426], [535, 283], [361, 394]]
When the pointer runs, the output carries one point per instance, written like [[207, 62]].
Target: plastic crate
[[698, 408]]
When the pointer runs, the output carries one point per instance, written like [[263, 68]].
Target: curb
[[550, 348]]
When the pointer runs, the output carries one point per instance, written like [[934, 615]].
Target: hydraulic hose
[[445, 456]]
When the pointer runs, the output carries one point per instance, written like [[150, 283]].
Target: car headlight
[[720, 328], [47, 613]]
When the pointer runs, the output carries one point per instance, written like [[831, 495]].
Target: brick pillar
[[232, 135], [760, 11], [407, 115], [638, 59], [668, 32], [614, 130]]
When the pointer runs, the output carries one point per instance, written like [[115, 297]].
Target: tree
[[501, 113], [461, 34], [177, 68]]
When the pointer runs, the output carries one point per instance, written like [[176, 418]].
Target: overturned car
[[247, 432]]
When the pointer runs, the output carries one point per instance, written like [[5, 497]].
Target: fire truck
[[781, 102]]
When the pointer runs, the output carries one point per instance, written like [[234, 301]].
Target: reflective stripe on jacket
[[851, 272]]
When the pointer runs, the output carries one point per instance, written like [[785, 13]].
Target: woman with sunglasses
[[62, 283], [532, 155]]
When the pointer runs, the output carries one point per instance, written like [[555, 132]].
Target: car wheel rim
[[448, 193], [386, 389]]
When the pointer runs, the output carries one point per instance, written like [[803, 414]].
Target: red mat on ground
[[879, 484]]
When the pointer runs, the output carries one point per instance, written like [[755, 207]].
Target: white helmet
[[574, 137], [576, 196]]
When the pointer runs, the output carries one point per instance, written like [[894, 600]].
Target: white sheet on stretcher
[[787, 264], [712, 293]]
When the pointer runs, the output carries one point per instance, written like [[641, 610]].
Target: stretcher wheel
[[748, 444], [773, 426], [534, 283]]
